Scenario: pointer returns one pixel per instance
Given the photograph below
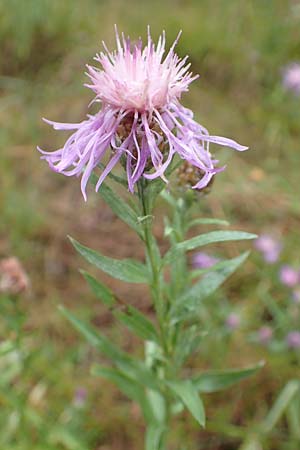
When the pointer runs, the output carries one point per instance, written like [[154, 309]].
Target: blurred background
[[246, 52]]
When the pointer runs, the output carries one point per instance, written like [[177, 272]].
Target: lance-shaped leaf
[[205, 239], [189, 396], [138, 323], [207, 221], [217, 380], [101, 291], [119, 206], [126, 269], [127, 385], [281, 404], [128, 365], [189, 301], [132, 388], [96, 339]]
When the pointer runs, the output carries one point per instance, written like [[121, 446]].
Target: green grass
[[239, 48]]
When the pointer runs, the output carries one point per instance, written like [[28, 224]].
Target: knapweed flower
[[80, 397], [289, 276], [296, 296], [141, 119], [293, 339], [233, 321], [202, 260], [291, 78], [265, 334], [269, 247]]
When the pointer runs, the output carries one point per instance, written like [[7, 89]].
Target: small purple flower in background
[[289, 276], [291, 77], [269, 247], [80, 397], [233, 321], [296, 296], [265, 334], [293, 339], [202, 260], [141, 119]]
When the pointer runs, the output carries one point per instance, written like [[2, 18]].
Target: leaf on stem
[[126, 269], [217, 380], [127, 364], [207, 221], [138, 323], [119, 207], [132, 388], [187, 304], [189, 396], [205, 239], [102, 292]]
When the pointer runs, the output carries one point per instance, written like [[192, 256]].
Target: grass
[[239, 48]]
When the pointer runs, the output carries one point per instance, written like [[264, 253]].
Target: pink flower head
[[296, 296], [289, 276], [202, 260], [291, 78], [269, 247], [140, 120], [293, 339], [265, 334], [233, 321]]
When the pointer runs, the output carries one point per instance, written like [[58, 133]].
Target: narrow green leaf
[[205, 239], [189, 395], [138, 323], [102, 292], [125, 384], [188, 343], [189, 301], [282, 402], [120, 207], [133, 389], [96, 339], [207, 221], [126, 269], [218, 380], [129, 366], [158, 405]]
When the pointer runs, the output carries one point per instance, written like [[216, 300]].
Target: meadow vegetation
[[48, 399]]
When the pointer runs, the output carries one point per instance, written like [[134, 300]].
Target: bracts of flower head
[[140, 120]]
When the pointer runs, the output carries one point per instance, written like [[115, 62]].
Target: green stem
[[153, 259]]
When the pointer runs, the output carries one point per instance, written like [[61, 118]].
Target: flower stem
[[156, 286]]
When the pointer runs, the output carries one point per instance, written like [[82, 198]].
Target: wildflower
[[291, 77], [13, 279], [141, 119], [269, 247], [233, 321], [296, 296], [289, 276], [265, 334], [293, 339], [202, 260], [80, 396]]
